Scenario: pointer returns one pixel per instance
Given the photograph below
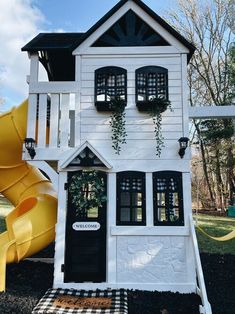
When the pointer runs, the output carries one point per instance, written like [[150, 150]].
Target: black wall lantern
[[29, 144], [183, 142]]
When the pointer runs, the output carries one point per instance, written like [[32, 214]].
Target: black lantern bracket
[[30, 144], [183, 143]]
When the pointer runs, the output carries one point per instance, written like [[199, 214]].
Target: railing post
[[206, 307]]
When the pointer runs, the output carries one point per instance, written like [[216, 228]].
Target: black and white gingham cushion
[[119, 302]]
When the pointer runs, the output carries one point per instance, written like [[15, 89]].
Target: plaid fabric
[[119, 302]]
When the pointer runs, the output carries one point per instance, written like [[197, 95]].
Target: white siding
[[139, 125]]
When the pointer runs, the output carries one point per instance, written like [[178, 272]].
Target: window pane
[[152, 93], [152, 79], [121, 93], [174, 214], [125, 214], [101, 94], [168, 205], [161, 184], [161, 199], [161, 214], [173, 185], [141, 79], [137, 214], [110, 80], [136, 199], [110, 94], [121, 80], [161, 79], [161, 93], [137, 184], [174, 199], [101, 80], [130, 198], [125, 184], [125, 199], [141, 94], [93, 212]]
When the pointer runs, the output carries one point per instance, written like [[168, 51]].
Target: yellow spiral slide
[[31, 224]]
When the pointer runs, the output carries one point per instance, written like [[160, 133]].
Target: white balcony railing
[[53, 114]]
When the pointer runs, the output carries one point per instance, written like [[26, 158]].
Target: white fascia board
[[128, 51], [180, 48], [64, 162], [212, 112]]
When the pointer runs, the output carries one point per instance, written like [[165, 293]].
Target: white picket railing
[[52, 114], [201, 289]]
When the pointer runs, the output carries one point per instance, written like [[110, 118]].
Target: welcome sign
[[86, 226]]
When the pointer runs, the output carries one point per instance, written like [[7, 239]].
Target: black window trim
[[131, 174], [168, 174], [105, 105], [143, 105]]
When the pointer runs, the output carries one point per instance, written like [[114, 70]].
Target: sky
[[22, 20]]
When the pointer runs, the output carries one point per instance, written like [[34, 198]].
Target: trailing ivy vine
[[87, 190], [158, 106], [118, 124]]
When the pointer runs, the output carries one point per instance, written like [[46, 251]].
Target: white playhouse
[[122, 174]]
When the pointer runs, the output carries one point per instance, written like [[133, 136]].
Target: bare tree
[[209, 24]]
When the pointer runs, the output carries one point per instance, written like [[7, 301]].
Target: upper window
[[151, 82], [131, 198], [110, 83], [168, 198]]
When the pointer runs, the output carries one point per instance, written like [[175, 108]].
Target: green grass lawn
[[5, 208], [215, 226]]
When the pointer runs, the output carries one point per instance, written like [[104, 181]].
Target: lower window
[[168, 198], [131, 198]]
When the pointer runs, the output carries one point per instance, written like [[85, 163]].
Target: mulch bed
[[27, 282]]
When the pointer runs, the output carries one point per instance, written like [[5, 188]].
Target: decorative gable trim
[[130, 31], [147, 15], [66, 161]]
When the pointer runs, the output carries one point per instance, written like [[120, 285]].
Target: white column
[[187, 198], [77, 127], [34, 67], [111, 221], [60, 231], [149, 200]]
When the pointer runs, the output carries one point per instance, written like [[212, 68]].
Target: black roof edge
[[28, 46]]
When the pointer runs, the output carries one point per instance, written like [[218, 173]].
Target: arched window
[[110, 83], [168, 198], [151, 83], [131, 198]]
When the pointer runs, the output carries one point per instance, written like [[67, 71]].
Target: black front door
[[85, 249]]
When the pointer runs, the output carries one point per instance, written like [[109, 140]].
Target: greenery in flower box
[[118, 124], [87, 190], [158, 106]]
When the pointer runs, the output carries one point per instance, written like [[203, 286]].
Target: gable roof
[[74, 153], [70, 41], [151, 13]]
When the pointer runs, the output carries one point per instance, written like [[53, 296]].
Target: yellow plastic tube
[[31, 224]]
